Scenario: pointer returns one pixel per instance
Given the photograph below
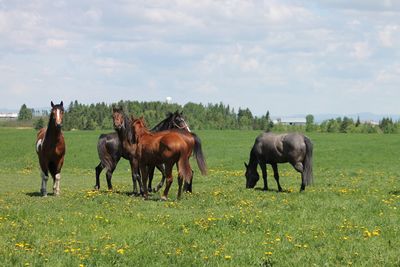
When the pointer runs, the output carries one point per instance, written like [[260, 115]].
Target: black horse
[[270, 148], [110, 150]]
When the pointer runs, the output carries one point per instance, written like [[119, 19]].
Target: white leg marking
[[38, 145], [56, 187]]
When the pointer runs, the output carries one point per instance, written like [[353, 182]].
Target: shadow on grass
[[37, 194], [396, 192], [273, 190]]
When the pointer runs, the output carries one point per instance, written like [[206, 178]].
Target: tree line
[[211, 116]]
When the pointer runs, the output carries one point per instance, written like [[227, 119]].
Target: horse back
[[280, 148]]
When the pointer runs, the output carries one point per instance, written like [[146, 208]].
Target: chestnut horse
[[50, 147], [168, 148], [110, 149]]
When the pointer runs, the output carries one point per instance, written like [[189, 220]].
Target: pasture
[[349, 217]]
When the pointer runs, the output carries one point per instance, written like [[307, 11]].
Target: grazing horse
[[270, 148], [110, 150], [168, 148], [50, 147]]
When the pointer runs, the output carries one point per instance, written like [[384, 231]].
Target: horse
[[50, 148], [110, 150], [168, 148], [270, 148]]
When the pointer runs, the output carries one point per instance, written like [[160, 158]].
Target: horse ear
[[61, 104], [52, 105], [245, 164]]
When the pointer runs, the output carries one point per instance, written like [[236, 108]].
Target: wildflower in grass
[[178, 251], [268, 253], [121, 251], [228, 257]]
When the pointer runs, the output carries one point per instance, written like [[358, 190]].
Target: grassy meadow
[[349, 217]]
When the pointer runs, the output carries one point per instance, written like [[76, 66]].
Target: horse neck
[[141, 131], [162, 126], [126, 134], [253, 159]]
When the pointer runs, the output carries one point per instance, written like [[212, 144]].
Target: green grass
[[350, 216]]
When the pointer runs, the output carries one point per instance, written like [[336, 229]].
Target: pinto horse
[[50, 148], [110, 149], [270, 148], [168, 148]]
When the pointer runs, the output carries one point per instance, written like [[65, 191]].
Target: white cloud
[[56, 43], [361, 50], [386, 35]]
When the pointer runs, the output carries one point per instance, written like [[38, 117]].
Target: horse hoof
[[96, 187], [164, 198]]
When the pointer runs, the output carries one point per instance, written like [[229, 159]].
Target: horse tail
[[308, 171], [198, 153], [185, 171], [105, 157]]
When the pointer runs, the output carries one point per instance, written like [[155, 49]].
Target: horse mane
[[138, 132], [128, 133]]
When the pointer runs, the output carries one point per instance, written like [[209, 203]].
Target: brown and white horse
[[50, 147]]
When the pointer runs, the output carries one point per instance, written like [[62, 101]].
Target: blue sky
[[288, 57]]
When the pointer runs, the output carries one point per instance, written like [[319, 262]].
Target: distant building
[[291, 121], [8, 115]]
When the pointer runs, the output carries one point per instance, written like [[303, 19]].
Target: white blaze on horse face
[[58, 117], [187, 127]]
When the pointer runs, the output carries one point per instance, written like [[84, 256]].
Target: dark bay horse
[[270, 148], [110, 150], [168, 148], [50, 148]]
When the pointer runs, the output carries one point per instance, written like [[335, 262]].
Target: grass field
[[350, 216]]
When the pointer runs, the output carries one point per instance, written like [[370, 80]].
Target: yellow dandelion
[[121, 251], [228, 257], [178, 251], [268, 253]]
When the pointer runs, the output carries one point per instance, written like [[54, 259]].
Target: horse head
[[57, 113], [252, 176], [118, 118], [179, 122]]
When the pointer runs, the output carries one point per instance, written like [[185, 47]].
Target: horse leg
[[151, 175], [299, 167], [161, 183], [56, 186], [108, 177], [180, 183], [135, 177], [144, 171], [188, 186], [43, 189], [276, 175], [263, 167], [98, 169], [168, 172]]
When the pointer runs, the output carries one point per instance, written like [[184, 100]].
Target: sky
[[286, 56]]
